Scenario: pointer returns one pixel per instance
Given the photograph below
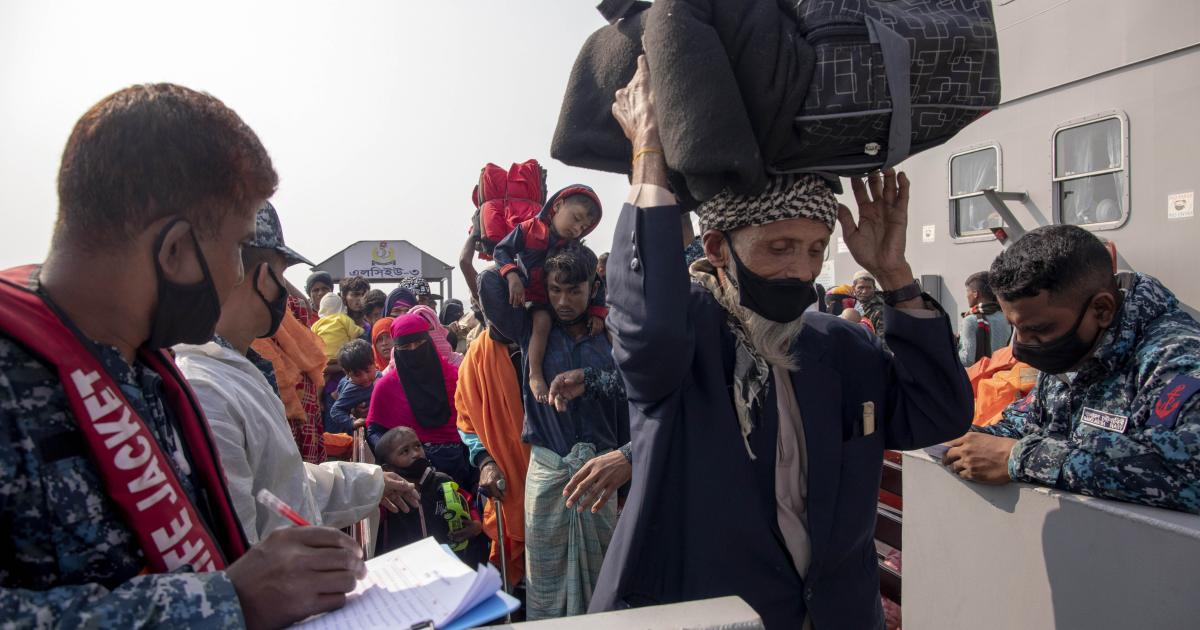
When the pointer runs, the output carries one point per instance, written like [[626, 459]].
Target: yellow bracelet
[[640, 153]]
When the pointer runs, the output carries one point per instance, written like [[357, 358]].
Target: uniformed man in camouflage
[[1114, 413], [158, 189]]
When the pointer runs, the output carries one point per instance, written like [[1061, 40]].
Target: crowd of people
[[689, 416]]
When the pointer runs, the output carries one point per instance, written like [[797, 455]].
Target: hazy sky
[[378, 114]]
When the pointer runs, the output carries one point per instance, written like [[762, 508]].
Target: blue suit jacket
[[700, 520]]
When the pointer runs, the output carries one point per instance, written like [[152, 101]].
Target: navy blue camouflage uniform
[[69, 559], [1145, 369]]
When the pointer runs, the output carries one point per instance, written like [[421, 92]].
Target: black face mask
[[277, 307], [1058, 355], [583, 318], [777, 300], [414, 471], [185, 313], [420, 374]]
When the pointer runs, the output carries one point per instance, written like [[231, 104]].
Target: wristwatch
[[627, 450], [903, 294]]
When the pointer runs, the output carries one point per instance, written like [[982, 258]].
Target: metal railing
[[359, 452]]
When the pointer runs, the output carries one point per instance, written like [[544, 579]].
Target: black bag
[[729, 78], [739, 97], [892, 78]]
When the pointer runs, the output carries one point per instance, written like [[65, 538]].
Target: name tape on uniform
[[1104, 420]]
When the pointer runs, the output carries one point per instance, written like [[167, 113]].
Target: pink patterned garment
[[437, 332]]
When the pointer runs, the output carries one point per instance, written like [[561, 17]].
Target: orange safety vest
[[998, 381]]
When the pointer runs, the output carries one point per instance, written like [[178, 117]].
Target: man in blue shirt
[[565, 547]]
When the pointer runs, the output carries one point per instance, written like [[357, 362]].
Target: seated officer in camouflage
[[113, 507], [1114, 413]]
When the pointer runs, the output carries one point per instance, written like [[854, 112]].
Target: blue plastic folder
[[494, 608]]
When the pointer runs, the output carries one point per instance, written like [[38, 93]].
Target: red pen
[[273, 502]]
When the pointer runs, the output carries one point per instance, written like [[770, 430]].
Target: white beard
[[770, 339]]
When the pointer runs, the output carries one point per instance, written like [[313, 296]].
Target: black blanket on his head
[[729, 77]]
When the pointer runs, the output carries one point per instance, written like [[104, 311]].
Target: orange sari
[[296, 352], [489, 405]]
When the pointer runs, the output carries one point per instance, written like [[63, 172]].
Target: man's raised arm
[[466, 264], [510, 321], [648, 283], [929, 398]]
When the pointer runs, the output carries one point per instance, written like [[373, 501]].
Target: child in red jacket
[[568, 215]]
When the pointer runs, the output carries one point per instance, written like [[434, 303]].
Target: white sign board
[[826, 277], [842, 249], [1180, 206], [382, 260], [927, 233]]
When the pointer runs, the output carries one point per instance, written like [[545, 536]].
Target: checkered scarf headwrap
[[800, 196]]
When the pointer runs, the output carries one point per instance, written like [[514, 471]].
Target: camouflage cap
[[268, 234]]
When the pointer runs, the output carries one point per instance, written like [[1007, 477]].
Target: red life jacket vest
[[135, 471]]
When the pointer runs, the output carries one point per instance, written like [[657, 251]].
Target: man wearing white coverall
[[235, 388]]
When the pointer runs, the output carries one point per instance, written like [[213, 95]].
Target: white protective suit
[[258, 451]]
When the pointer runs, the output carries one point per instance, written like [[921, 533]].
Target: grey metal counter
[[724, 613], [1023, 556]]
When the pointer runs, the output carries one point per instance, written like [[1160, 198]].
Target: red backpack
[[503, 199]]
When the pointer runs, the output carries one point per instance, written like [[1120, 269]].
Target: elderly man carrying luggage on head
[[758, 424]]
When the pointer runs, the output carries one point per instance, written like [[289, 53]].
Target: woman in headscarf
[[490, 418], [451, 313], [381, 342], [419, 393], [398, 302], [316, 287], [438, 333]]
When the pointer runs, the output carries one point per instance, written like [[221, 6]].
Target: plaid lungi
[[563, 548]]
